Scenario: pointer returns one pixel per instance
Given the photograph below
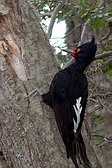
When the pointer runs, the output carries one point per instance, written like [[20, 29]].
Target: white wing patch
[[78, 109]]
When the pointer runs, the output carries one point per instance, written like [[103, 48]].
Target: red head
[[74, 52], [85, 52]]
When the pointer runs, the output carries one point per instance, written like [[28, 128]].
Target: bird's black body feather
[[67, 96]]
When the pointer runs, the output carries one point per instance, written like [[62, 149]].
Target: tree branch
[[103, 55], [107, 35], [98, 56], [106, 64], [49, 14], [102, 3], [53, 17]]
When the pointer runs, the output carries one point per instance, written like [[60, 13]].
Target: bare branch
[[105, 140], [49, 14], [106, 64], [69, 63], [93, 100], [77, 26], [103, 55], [98, 56], [101, 94], [108, 139], [107, 35], [53, 17], [84, 30], [103, 105], [92, 110]]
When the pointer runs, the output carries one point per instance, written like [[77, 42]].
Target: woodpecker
[[67, 96]]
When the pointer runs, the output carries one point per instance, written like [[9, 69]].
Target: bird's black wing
[[69, 96]]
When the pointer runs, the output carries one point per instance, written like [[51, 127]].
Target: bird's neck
[[79, 66]]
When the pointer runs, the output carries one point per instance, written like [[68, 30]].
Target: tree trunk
[[28, 134]]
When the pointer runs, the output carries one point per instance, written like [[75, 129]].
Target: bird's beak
[[73, 52], [67, 50]]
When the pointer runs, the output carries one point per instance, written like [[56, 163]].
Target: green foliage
[[79, 10], [99, 16], [98, 127], [108, 71], [99, 140], [100, 19], [98, 119]]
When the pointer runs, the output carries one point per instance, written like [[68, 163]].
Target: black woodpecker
[[67, 96]]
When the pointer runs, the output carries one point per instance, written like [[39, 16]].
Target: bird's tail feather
[[77, 152]]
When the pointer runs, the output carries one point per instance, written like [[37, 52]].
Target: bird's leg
[[35, 92]]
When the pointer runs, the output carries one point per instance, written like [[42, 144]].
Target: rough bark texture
[[27, 138], [28, 134]]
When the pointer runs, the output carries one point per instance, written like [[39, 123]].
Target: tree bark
[[27, 130], [28, 134]]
